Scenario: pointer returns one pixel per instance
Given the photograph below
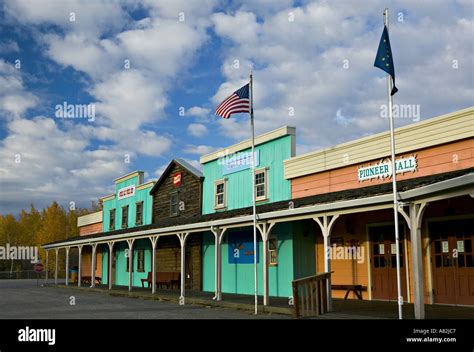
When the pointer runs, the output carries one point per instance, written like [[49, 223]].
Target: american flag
[[237, 102]]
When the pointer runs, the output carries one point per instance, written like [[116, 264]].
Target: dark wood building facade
[[178, 194]]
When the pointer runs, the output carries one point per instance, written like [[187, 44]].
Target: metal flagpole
[[253, 197], [394, 184]]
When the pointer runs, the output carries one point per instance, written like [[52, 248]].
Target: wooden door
[[383, 263], [452, 261]]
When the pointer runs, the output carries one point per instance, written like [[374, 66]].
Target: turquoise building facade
[[232, 166], [227, 186], [132, 196], [134, 192]]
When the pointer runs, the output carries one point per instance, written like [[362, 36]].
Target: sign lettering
[[240, 161], [177, 179], [383, 169], [126, 192], [240, 248]]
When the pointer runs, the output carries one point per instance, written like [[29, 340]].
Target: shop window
[[124, 217], [139, 214], [220, 194], [174, 204], [261, 184], [141, 261], [111, 219], [273, 251]]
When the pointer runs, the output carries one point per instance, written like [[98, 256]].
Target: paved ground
[[22, 299]]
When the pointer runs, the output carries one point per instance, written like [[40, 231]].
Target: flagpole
[[253, 199], [394, 184]]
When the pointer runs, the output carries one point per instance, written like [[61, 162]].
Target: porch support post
[[416, 218], [218, 235], [130, 263], [326, 223], [153, 240], [111, 254], [79, 270], [56, 264], [93, 259], [67, 265], [265, 230], [47, 264], [182, 240]]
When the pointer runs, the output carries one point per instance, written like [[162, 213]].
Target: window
[[174, 204], [139, 215], [220, 196], [124, 217], [112, 219], [273, 251], [141, 261], [261, 184]]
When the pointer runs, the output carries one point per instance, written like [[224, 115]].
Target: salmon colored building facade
[[439, 149]]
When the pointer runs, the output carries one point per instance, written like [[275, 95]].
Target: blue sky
[[312, 63]]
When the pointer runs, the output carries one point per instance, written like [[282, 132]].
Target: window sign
[[393, 248], [460, 246], [445, 246], [381, 248]]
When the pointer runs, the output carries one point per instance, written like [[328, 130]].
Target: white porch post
[[218, 236], [47, 264], [182, 240], [416, 218], [79, 270], [265, 233], [130, 263], [153, 240], [56, 266], [414, 221], [326, 224], [67, 266], [111, 254], [94, 248]]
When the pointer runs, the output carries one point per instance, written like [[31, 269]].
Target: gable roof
[[184, 164]]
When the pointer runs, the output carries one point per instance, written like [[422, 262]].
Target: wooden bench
[[168, 278], [148, 280], [357, 289]]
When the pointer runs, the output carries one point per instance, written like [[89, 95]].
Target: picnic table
[[357, 289]]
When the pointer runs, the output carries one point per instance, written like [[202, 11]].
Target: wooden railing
[[310, 296]]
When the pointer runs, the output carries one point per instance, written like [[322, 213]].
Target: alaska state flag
[[384, 59]]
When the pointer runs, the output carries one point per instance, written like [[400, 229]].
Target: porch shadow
[[342, 309]]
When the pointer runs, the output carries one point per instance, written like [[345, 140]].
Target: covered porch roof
[[428, 188]]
